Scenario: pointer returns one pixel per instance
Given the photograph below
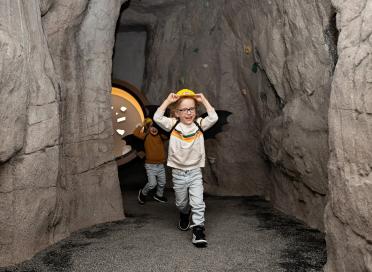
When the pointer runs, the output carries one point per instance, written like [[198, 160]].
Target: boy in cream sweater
[[186, 156]]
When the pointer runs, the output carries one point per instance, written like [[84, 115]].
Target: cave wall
[[270, 63], [294, 43], [349, 209], [57, 172]]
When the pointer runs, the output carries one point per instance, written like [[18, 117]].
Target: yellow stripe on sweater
[[188, 139]]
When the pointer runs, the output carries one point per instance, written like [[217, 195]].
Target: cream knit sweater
[[186, 143]]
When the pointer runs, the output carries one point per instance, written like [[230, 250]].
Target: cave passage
[[296, 77], [246, 233]]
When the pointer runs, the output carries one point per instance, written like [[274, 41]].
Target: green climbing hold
[[255, 67], [196, 50]]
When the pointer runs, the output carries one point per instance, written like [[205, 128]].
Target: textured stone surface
[[13, 84], [57, 172], [276, 141], [269, 62], [349, 209], [291, 45]]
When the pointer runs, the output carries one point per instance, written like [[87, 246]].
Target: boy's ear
[[176, 113]]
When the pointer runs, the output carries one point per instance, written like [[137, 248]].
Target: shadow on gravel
[[306, 248], [304, 251], [58, 257]]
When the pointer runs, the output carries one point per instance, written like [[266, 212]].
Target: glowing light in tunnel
[[120, 131], [127, 96], [121, 119], [126, 114]]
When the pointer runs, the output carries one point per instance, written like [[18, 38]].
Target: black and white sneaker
[[184, 222], [141, 197], [198, 236], [161, 199]]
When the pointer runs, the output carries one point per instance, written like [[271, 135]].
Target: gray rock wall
[[349, 209], [56, 166], [293, 45], [276, 142]]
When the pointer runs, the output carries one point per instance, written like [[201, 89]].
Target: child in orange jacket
[[154, 162]]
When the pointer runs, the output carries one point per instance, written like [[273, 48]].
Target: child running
[[186, 156], [154, 162]]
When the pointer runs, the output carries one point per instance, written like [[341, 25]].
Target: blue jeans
[[155, 176], [188, 188]]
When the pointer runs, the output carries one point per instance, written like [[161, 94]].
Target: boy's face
[[186, 111], [153, 130]]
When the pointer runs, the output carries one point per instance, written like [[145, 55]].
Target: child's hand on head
[[199, 97], [172, 97]]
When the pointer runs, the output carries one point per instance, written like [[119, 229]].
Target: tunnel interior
[[295, 75], [267, 87], [129, 54]]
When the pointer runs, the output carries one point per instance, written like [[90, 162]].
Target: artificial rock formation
[[57, 172], [268, 62], [349, 209]]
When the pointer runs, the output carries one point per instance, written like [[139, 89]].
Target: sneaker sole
[[159, 200], [186, 229], [199, 243], [139, 199]]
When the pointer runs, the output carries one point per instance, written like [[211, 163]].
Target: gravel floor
[[244, 234]]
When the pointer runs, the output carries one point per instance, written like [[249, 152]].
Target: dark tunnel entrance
[[128, 69], [127, 111]]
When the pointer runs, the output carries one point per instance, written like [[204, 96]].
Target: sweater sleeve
[[209, 121], [138, 132], [164, 122]]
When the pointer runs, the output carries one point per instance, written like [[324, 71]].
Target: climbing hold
[[196, 50], [247, 49], [254, 67]]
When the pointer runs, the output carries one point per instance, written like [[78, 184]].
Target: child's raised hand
[[172, 97], [200, 97]]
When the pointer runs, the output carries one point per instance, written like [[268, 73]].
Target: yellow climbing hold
[[247, 49]]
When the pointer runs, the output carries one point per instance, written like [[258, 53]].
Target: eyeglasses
[[187, 110]]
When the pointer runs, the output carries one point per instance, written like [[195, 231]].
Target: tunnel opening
[[132, 36], [128, 110], [129, 54], [128, 74]]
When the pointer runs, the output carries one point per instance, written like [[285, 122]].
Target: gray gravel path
[[244, 234]]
